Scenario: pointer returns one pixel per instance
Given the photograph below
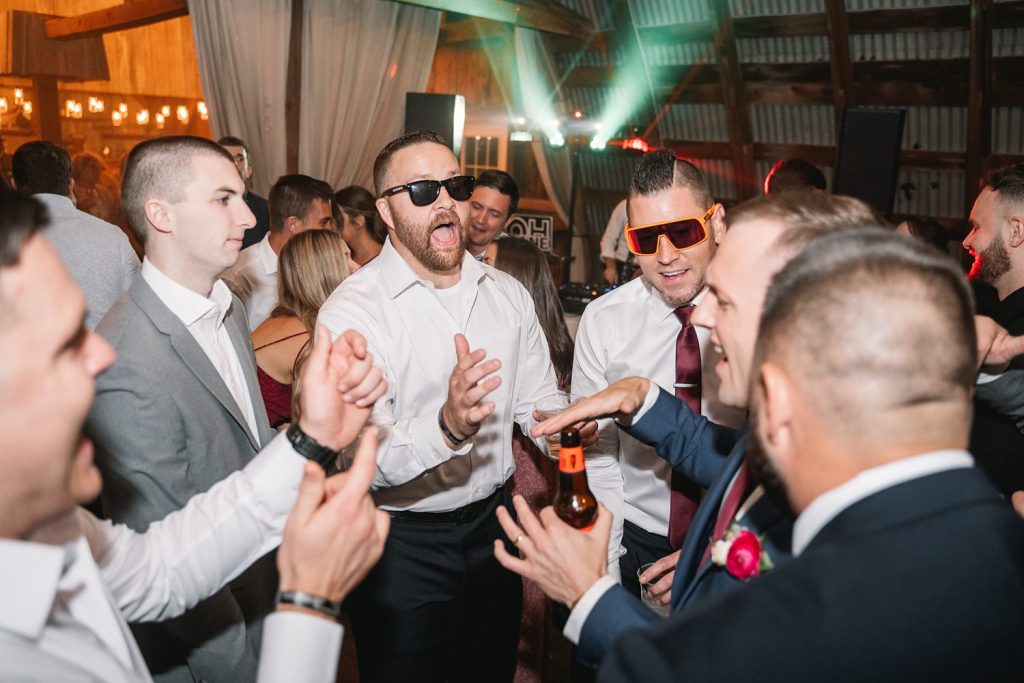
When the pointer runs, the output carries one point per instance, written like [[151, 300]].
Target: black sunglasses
[[426, 192]]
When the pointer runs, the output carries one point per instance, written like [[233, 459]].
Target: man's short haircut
[[293, 195], [355, 201], [792, 175], [873, 324], [662, 170], [1007, 181], [232, 141], [162, 168], [20, 218], [503, 183], [806, 216], [383, 162], [41, 167]]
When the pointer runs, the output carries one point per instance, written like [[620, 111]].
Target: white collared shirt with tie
[[204, 319]]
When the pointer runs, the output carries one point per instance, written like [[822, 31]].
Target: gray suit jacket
[[165, 428]]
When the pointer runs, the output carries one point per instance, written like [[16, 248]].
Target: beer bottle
[[574, 503]]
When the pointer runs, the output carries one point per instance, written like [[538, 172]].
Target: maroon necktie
[[685, 494], [730, 506]]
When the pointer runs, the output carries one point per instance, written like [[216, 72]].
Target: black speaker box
[[442, 114], [868, 156]]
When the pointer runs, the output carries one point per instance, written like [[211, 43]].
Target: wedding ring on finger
[[518, 539]]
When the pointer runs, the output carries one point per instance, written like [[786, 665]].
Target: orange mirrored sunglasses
[[682, 233]]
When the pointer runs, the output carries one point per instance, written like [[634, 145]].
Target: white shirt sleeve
[[613, 231], [579, 614], [190, 553], [299, 647], [603, 470]]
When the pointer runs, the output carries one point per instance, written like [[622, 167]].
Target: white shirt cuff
[[299, 647], [579, 614], [985, 378]]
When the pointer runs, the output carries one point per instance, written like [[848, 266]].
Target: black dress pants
[[438, 606], [642, 547]]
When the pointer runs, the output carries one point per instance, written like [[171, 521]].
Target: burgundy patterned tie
[[685, 494]]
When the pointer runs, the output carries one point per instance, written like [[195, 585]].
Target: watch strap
[[310, 448]]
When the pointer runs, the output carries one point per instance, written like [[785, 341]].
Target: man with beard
[[863, 413], [763, 234], [439, 607], [995, 241]]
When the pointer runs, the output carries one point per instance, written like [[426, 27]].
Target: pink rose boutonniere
[[741, 553]]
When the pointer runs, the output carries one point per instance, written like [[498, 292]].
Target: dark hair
[[1008, 181], [293, 195], [356, 200], [161, 167], [792, 175], [232, 141], [41, 166], [661, 170], [20, 218], [914, 346], [503, 183], [383, 161], [928, 231], [523, 260]]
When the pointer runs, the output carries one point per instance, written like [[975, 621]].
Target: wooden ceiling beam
[[737, 114], [979, 99], [840, 69], [542, 15], [473, 30], [117, 18]]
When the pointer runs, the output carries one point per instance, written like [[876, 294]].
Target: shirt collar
[[30, 575], [186, 305], [267, 256], [828, 505], [399, 275]]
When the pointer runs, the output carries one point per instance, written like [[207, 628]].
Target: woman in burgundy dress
[[536, 475], [311, 265]]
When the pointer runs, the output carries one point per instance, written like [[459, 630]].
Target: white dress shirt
[[815, 516], [69, 591], [630, 331], [411, 335], [256, 272], [204, 319], [613, 242], [96, 253]]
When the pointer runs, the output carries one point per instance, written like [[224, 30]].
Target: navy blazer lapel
[[697, 537], [191, 354]]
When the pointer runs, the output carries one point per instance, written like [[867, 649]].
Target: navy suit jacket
[[888, 590], [710, 455]]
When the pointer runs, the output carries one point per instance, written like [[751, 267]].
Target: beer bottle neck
[[570, 460]]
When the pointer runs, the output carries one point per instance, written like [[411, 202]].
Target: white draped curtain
[[359, 58], [242, 50], [554, 165]]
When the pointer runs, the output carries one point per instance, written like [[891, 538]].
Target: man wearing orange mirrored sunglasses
[[640, 328]]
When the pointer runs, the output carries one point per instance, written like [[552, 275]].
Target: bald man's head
[[875, 334]]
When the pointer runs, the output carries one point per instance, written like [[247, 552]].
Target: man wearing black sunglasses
[[439, 607]]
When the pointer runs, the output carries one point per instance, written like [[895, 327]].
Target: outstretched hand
[[472, 379], [565, 562], [339, 386], [334, 534], [621, 399]]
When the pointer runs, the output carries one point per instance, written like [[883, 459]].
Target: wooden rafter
[[627, 42], [543, 15], [293, 89], [117, 18], [840, 67], [736, 112], [979, 99]]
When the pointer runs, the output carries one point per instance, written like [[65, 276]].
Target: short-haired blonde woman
[[311, 265]]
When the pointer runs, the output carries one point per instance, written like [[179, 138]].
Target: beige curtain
[[360, 57], [242, 49]]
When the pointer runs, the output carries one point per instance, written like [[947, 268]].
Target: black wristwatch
[[310, 448]]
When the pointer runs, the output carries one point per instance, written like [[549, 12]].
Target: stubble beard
[[991, 264]]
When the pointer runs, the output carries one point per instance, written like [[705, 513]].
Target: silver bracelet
[[309, 601]]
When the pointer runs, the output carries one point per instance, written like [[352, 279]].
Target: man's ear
[[1016, 233], [775, 409], [71, 187], [717, 223], [384, 209], [293, 225], [159, 214]]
